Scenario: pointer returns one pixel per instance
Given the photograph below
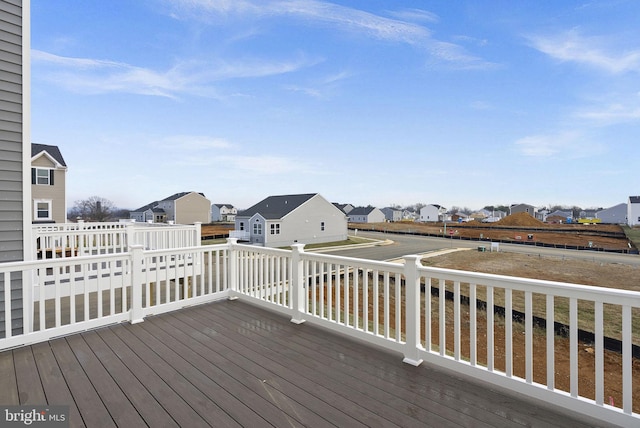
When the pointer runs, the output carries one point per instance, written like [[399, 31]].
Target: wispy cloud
[[343, 18], [611, 114], [563, 145], [95, 76], [593, 51]]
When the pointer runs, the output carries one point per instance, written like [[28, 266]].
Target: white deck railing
[[406, 307], [53, 241]]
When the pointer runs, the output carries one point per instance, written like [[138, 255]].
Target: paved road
[[408, 244]]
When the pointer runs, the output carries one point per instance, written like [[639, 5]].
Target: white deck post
[[412, 304], [198, 225], [233, 268], [296, 284], [136, 283]]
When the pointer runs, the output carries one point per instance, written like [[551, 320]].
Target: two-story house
[[48, 182], [179, 208], [223, 212]]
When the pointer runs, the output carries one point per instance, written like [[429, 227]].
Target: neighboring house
[[616, 214], [588, 214], [459, 217], [366, 215], [432, 213], [345, 208], [392, 214], [180, 208], [559, 216], [633, 211], [280, 221], [48, 182], [522, 208], [149, 213], [223, 212], [410, 215], [15, 150]]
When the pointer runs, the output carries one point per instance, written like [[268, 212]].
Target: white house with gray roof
[[279, 221], [366, 215]]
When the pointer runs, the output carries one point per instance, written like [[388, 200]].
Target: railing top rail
[[561, 289], [186, 250], [363, 263], [63, 261], [266, 250]]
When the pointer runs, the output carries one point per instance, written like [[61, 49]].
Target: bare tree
[[93, 208]]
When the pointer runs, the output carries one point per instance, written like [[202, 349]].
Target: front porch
[[229, 363]]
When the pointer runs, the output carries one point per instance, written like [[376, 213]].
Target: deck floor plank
[[92, 409], [296, 390], [9, 389], [276, 370], [380, 384], [142, 400], [242, 337], [245, 389], [146, 348], [53, 382], [117, 403], [231, 364], [174, 404], [459, 396], [30, 389]]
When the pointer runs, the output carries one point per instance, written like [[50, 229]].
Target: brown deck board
[[53, 382], [230, 364], [9, 387], [30, 389]]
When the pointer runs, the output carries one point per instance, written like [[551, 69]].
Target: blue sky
[[466, 103]]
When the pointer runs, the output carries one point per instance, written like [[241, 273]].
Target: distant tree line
[[96, 208]]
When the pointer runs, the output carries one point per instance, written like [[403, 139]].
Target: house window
[[42, 176], [322, 226], [42, 210], [257, 229], [241, 225], [275, 229]]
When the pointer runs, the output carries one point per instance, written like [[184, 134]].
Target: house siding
[[54, 193], [633, 211], [192, 208], [14, 152], [303, 225]]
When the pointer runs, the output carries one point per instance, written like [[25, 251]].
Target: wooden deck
[[232, 364]]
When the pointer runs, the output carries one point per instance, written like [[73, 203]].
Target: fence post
[[296, 284], [198, 225], [232, 276], [412, 304], [136, 283]]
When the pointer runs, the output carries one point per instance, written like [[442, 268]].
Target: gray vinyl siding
[[11, 152]]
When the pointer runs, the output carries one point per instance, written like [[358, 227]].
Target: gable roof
[[180, 195], [223, 205], [275, 207], [150, 206], [52, 151], [361, 211]]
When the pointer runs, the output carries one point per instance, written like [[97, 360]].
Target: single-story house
[[279, 221], [366, 215], [559, 216]]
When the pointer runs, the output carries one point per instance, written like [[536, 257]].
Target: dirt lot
[[553, 269], [518, 227]]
